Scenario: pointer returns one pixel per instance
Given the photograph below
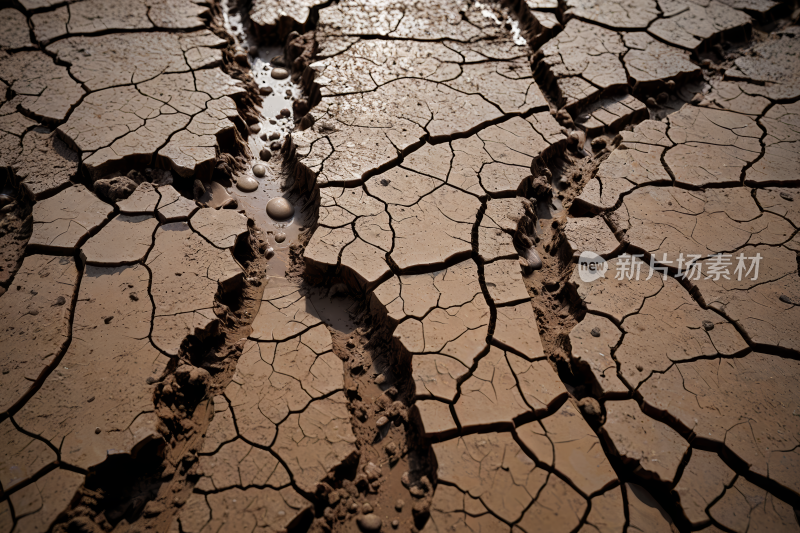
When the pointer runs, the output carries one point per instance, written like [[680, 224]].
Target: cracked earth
[[318, 265]]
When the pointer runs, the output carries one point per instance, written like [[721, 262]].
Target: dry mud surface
[[319, 265]]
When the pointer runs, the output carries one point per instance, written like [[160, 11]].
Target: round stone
[[274, 136], [533, 258], [708, 325], [279, 73], [259, 170], [280, 237], [255, 128], [590, 407], [595, 332], [280, 208], [247, 184], [265, 90], [265, 154], [275, 146], [370, 522], [285, 112]]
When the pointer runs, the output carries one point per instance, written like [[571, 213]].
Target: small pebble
[[651, 102], [705, 63], [590, 407], [708, 325], [265, 90], [280, 237], [96, 431], [391, 448], [671, 85], [300, 106], [405, 479], [380, 380], [366, 508], [280, 208], [353, 507], [640, 368], [247, 184], [263, 136], [382, 421], [662, 98], [274, 136], [259, 170], [595, 332], [255, 128], [398, 505], [269, 252], [279, 73], [395, 523], [285, 112], [534, 261], [288, 92], [786, 196], [275, 146], [265, 154], [370, 522]]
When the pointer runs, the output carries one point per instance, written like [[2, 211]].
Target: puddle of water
[[276, 122]]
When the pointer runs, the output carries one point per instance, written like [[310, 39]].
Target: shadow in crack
[[392, 476]]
